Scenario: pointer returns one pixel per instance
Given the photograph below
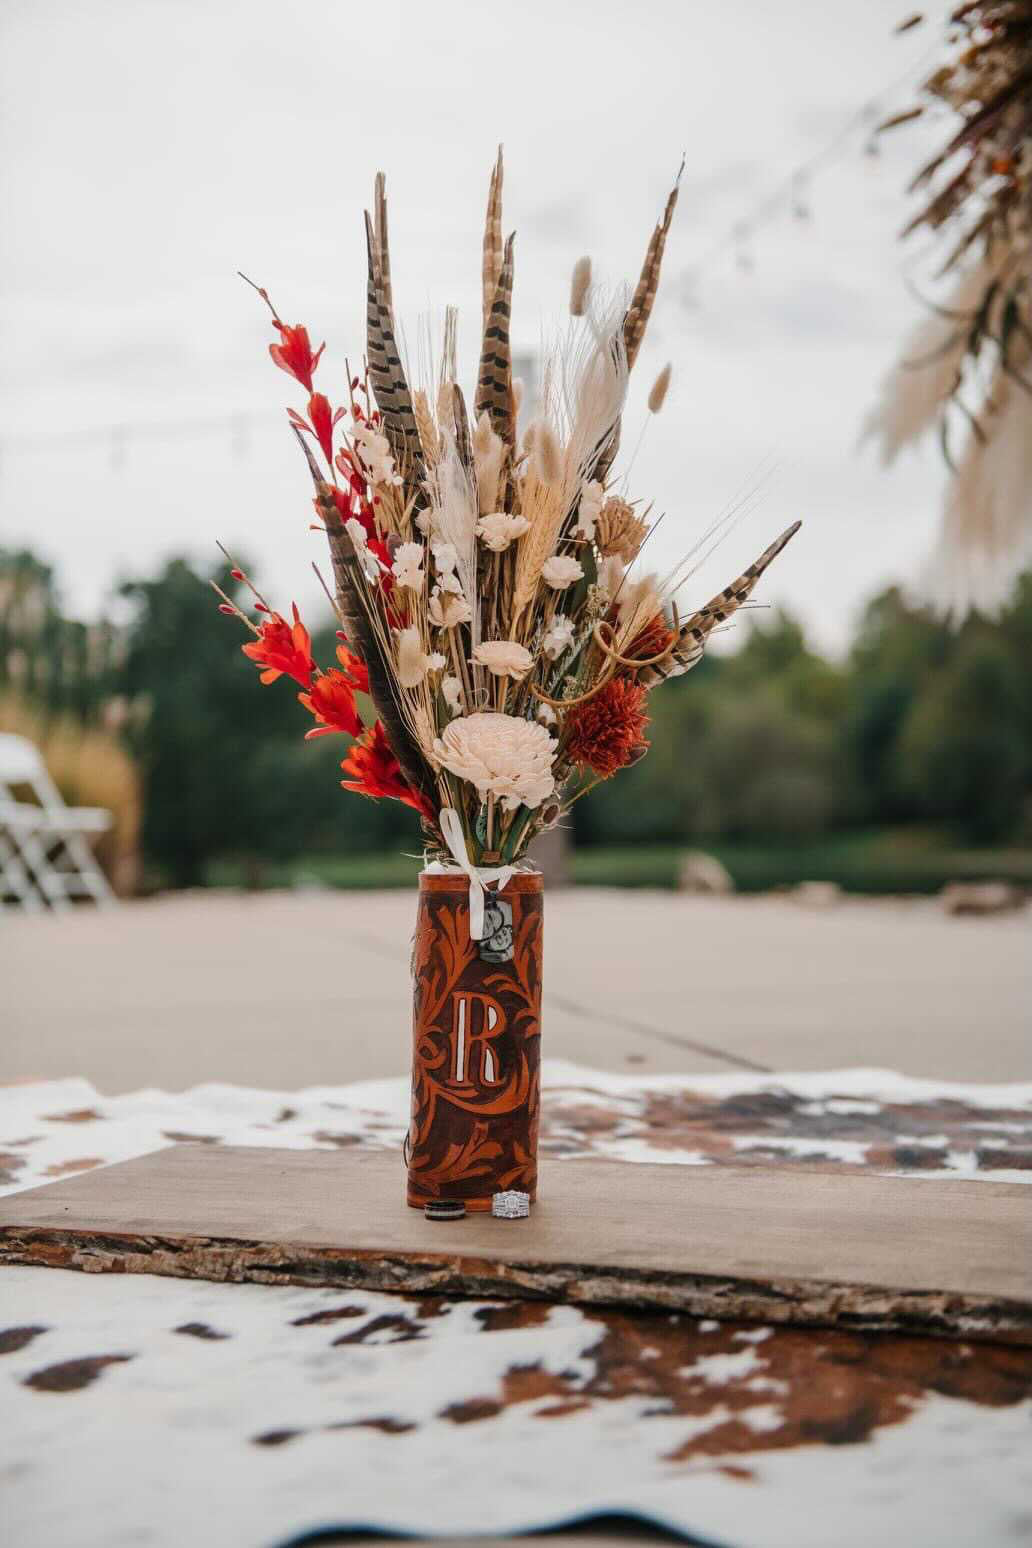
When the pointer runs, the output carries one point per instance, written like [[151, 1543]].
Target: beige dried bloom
[[503, 658], [452, 690], [619, 531], [498, 529], [501, 755], [561, 571], [580, 284]]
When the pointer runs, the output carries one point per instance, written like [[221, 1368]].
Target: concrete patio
[[284, 990]]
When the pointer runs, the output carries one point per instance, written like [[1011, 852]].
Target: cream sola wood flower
[[500, 528], [500, 755], [447, 609], [504, 658], [561, 571]]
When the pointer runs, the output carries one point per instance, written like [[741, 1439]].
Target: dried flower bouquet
[[489, 587]]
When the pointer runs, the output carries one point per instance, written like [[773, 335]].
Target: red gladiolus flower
[[376, 772], [294, 353], [321, 420], [608, 732], [283, 648], [355, 668], [331, 699]]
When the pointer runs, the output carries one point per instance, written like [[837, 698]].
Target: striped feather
[[693, 635], [492, 263], [383, 251], [463, 441], [640, 309], [494, 383], [386, 372]]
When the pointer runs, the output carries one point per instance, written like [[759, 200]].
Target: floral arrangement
[[488, 586], [965, 370]]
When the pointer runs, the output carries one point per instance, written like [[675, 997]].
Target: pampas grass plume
[[580, 284], [660, 387]]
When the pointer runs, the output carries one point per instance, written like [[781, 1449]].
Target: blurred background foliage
[[904, 765]]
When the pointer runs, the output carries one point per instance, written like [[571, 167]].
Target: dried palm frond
[[977, 201], [986, 536]]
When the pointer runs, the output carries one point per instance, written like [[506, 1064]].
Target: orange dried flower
[[608, 731], [331, 699], [282, 647], [376, 772]]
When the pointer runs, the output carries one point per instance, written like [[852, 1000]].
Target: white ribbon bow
[[454, 837]]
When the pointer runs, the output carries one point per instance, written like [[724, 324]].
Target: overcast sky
[[153, 147]]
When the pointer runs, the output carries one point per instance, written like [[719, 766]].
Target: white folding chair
[[44, 856]]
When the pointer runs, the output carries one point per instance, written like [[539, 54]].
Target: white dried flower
[[452, 690], [504, 658], [561, 571], [369, 562], [592, 496], [558, 637], [501, 755], [435, 662], [546, 714], [497, 530], [375, 453], [445, 556], [411, 658], [450, 583], [424, 523], [446, 610], [408, 565]]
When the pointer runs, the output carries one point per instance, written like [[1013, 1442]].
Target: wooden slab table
[[791, 1246]]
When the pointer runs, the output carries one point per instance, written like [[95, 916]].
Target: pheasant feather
[[385, 369], [692, 636], [494, 382], [492, 261]]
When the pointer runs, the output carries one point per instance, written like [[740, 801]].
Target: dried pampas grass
[[986, 535], [921, 383]]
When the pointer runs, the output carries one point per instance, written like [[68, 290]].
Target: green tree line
[[918, 724]]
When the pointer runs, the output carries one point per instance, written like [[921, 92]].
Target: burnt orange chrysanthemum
[[608, 732]]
